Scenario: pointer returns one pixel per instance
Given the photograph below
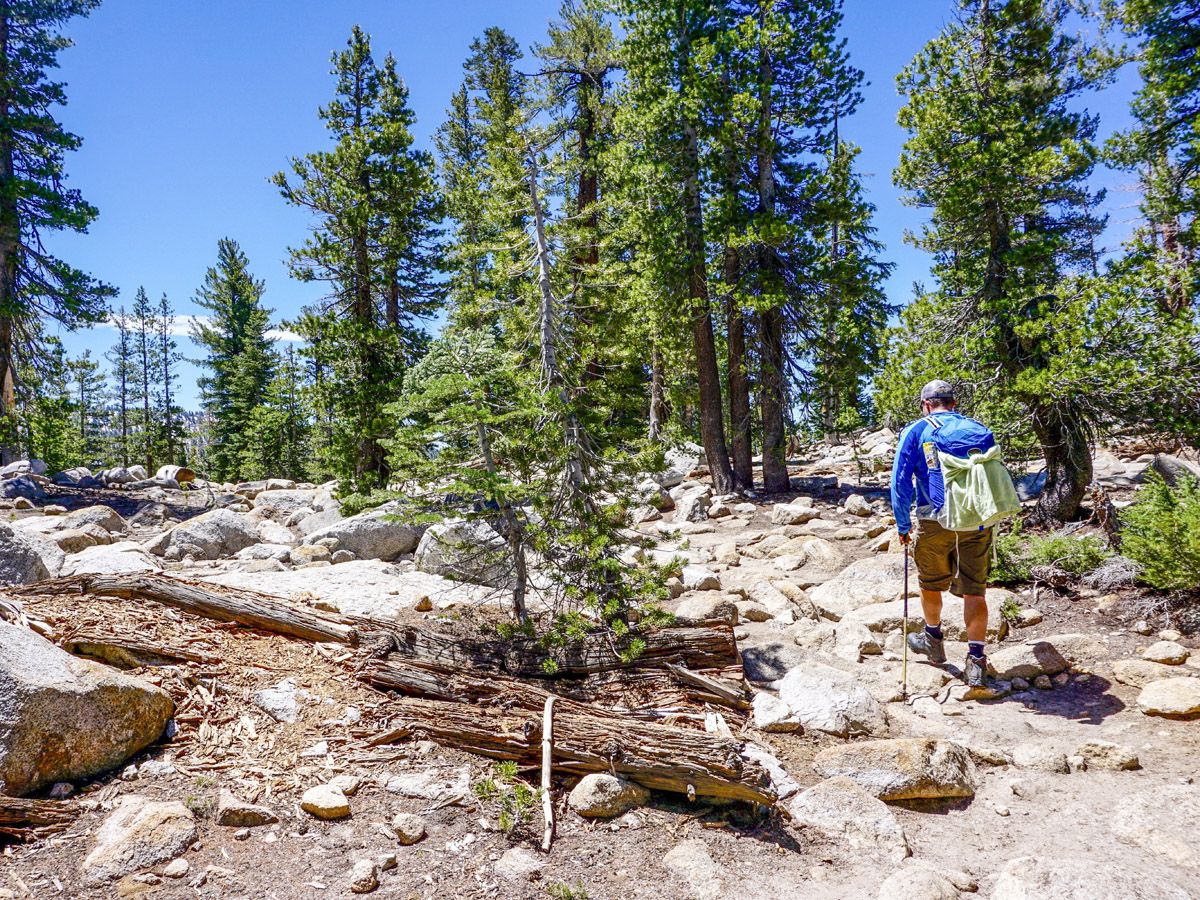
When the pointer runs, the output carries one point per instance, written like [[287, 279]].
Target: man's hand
[[905, 537]]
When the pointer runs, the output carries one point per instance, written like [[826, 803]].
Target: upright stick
[[547, 757], [904, 629]]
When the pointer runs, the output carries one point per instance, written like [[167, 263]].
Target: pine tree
[[46, 420], [169, 440], [89, 389], [239, 355], [35, 200], [121, 358], [1164, 145], [144, 333], [1001, 159], [375, 245]]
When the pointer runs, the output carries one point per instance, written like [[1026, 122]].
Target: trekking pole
[[904, 628]]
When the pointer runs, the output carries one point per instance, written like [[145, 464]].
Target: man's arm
[[902, 477]]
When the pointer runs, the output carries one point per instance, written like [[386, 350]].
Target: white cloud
[[182, 327]]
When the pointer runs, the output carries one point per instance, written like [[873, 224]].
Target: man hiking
[[962, 489]]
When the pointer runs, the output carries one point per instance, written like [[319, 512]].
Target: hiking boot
[[922, 643], [976, 672]]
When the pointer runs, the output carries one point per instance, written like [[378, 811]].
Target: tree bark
[[712, 416], [1068, 457], [656, 756], [773, 385], [739, 384], [658, 403], [10, 247]]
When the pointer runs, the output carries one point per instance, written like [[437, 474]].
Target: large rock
[[21, 486], [1162, 820], [63, 718], [902, 768], [465, 551], [1172, 468], [25, 558], [217, 534], [24, 467], [680, 461], [278, 506], [692, 863], [139, 833], [602, 796], [692, 506], [830, 700], [1091, 878], [1139, 672], [374, 534], [839, 809], [359, 588], [795, 513], [1172, 698], [873, 579], [110, 559], [1027, 660]]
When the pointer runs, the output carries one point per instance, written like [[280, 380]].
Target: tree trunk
[[658, 403], [712, 417], [773, 386], [772, 394], [739, 394], [1068, 457], [10, 246]]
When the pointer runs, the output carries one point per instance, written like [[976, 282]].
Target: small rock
[[237, 813], [177, 868], [242, 834], [423, 604], [708, 606], [696, 578], [1029, 616], [409, 828], [325, 802], [1027, 660], [1175, 698], [602, 796], [1168, 653], [347, 784], [1169, 634], [918, 883], [1020, 684], [1032, 755], [773, 715], [1143, 627], [518, 864], [857, 505], [1043, 683], [364, 877]]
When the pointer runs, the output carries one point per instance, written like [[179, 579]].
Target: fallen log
[[225, 604], [130, 653], [706, 645], [643, 693], [655, 756], [31, 819]]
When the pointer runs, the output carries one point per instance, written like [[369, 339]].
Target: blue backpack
[[977, 489]]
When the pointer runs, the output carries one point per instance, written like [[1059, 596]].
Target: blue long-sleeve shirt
[[913, 466]]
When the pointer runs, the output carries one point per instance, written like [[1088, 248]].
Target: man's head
[[937, 395]]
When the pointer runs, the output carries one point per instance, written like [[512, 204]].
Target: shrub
[[1161, 532], [514, 798], [1018, 553]]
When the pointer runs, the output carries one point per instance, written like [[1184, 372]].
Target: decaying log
[[656, 756], [225, 604], [29, 819], [707, 645], [643, 693], [127, 653]]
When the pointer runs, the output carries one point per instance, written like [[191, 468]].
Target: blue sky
[[187, 108]]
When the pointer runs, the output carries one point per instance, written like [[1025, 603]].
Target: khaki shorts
[[958, 560]]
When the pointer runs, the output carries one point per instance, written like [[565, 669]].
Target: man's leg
[[931, 606], [971, 581], [975, 614]]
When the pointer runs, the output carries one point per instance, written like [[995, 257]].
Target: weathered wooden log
[[707, 645], [25, 819], [225, 604], [131, 653], [656, 756], [644, 693]]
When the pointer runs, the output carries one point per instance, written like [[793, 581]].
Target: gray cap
[[937, 390]]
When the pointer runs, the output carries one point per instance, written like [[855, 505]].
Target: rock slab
[[63, 718], [138, 834], [902, 768]]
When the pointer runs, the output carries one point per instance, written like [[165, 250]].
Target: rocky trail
[[167, 753]]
